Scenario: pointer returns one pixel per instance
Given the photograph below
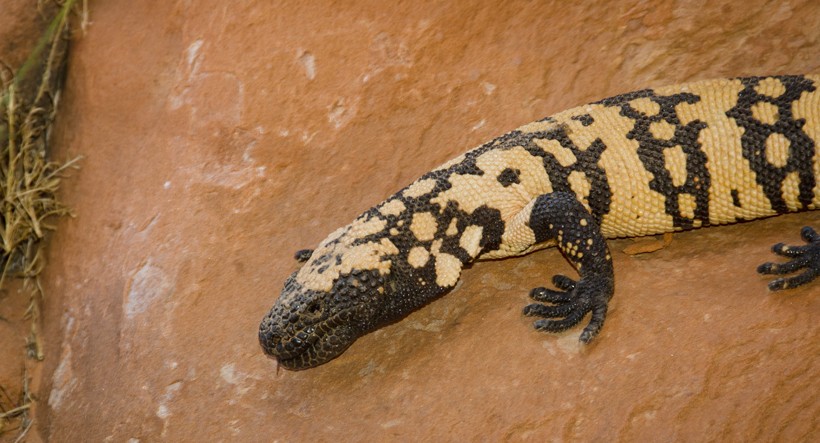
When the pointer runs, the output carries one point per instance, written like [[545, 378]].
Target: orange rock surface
[[220, 137]]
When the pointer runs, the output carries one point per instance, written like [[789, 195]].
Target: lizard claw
[[802, 257]]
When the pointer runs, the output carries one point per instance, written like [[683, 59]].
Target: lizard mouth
[[296, 345], [309, 347]]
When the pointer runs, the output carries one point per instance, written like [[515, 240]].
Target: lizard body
[[642, 163]]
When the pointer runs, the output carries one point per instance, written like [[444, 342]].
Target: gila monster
[[642, 163]]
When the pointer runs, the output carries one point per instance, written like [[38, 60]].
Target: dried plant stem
[[28, 186]]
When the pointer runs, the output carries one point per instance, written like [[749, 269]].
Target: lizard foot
[[303, 255], [570, 303], [802, 257]]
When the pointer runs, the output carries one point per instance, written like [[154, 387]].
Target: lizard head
[[306, 327], [343, 291]]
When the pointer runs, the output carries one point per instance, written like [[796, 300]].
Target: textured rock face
[[220, 138]]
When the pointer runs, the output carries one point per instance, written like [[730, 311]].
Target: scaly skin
[[647, 162]]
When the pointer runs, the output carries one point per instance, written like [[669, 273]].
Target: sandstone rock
[[221, 137]]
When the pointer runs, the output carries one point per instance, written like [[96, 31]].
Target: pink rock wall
[[221, 137]]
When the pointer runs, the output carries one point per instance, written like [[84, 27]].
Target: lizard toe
[[805, 258]]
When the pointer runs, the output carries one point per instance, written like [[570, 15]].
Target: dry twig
[[29, 183]]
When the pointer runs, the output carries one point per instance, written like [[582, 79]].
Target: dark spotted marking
[[509, 176], [585, 119], [651, 153], [736, 198], [600, 194], [753, 140]]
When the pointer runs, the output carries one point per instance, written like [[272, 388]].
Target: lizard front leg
[[559, 216]]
